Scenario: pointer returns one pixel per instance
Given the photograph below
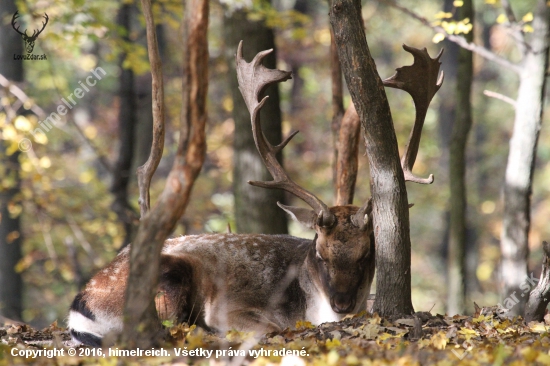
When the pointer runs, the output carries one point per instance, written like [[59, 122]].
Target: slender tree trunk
[[140, 319], [514, 243], [127, 120], [11, 285], [390, 211], [446, 111], [256, 209], [457, 174], [337, 108]]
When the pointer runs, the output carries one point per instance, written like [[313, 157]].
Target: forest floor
[[486, 338]]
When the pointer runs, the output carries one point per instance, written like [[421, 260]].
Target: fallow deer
[[249, 282]]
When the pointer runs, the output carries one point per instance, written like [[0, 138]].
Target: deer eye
[[318, 256]]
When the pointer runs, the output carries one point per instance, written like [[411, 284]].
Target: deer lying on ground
[[249, 282]]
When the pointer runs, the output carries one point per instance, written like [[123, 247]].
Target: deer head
[[337, 262], [29, 40]]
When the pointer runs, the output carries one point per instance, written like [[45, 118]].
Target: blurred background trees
[[77, 191]]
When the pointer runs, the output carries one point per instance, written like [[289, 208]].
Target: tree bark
[[390, 203], [347, 157], [514, 243], [540, 295], [256, 209], [140, 321], [11, 284], [127, 120], [457, 174], [337, 108]]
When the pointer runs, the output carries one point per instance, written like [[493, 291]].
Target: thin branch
[[459, 40], [146, 171], [70, 119], [515, 27], [140, 318], [24, 98], [20, 94], [499, 96], [81, 238]]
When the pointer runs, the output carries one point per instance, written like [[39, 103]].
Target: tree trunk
[[390, 210], [337, 109], [347, 157], [514, 243], [127, 120], [540, 295], [457, 174], [11, 285], [140, 319], [446, 112], [256, 209]]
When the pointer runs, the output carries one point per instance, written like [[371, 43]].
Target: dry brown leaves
[[487, 337]]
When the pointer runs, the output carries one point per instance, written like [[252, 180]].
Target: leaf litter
[[485, 338]]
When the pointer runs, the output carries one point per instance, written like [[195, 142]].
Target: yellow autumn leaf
[[529, 354], [45, 162], [333, 357], [482, 318], [370, 331], [332, 343], [501, 18], [85, 177], [443, 15], [468, 333], [41, 138], [491, 2], [438, 38], [538, 327], [458, 3], [439, 340], [527, 28], [90, 132], [543, 358], [300, 324], [9, 133], [383, 337], [22, 123], [527, 17]]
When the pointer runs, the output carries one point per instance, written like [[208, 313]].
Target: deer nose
[[342, 303]]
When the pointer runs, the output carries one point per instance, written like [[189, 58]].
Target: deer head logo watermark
[[29, 40]]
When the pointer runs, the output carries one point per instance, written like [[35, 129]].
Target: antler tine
[[421, 80], [253, 79], [13, 19], [43, 24]]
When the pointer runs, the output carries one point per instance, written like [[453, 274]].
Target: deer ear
[[304, 216]]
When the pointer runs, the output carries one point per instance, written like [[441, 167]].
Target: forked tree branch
[[140, 318], [515, 28], [459, 40]]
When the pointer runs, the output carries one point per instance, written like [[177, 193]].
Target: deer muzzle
[[342, 302]]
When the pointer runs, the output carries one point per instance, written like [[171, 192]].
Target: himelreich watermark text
[[67, 103]]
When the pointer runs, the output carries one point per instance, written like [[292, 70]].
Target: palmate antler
[[253, 80], [421, 80]]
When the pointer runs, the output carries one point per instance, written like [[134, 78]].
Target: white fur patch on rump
[[99, 327]]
